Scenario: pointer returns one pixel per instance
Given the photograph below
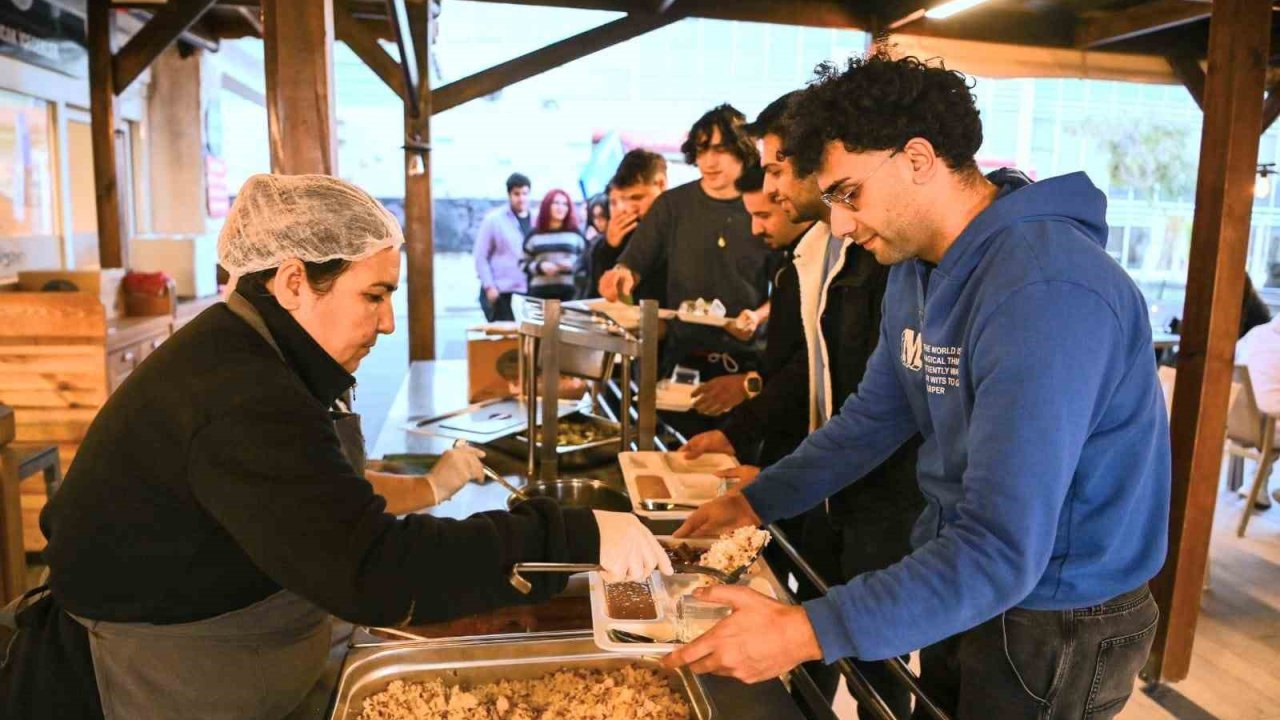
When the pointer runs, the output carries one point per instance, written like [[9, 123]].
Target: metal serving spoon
[[522, 584], [662, 505], [719, 575], [624, 636]]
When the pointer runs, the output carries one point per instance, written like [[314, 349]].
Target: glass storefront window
[[28, 231]]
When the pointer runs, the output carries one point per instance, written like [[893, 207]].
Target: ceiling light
[[947, 9]]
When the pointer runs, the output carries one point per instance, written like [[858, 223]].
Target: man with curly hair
[[1021, 352], [699, 234], [839, 290]]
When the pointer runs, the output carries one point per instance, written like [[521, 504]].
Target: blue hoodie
[[1025, 361]]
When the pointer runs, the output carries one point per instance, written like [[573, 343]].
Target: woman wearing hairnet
[[216, 516]]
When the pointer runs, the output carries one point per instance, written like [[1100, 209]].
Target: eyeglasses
[[846, 199]]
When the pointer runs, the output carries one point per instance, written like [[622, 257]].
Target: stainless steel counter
[[433, 388]]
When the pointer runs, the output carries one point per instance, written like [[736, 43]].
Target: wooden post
[[102, 112], [298, 47], [1239, 36], [417, 195]]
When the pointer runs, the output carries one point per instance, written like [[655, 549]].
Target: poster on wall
[[217, 196], [44, 33]]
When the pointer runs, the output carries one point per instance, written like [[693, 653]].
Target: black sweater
[[213, 478], [777, 420]]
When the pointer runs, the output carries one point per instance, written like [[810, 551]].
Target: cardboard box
[[103, 284], [493, 362]]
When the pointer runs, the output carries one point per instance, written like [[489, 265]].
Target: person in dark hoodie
[[1021, 352]]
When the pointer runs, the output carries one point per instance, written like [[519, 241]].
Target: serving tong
[[494, 475]]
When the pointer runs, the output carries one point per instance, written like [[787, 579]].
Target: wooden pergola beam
[[539, 61], [1139, 20], [1188, 70], [298, 53], [371, 53], [1239, 40], [251, 17], [418, 210], [404, 37], [169, 22], [102, 129]]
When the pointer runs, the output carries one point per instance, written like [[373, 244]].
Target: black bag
[[46, 671]]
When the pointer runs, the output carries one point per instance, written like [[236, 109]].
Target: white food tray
[[692, 481], [711, 320], [666, 593], [627, 316]]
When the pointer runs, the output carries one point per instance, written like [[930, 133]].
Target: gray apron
[[258, 662]]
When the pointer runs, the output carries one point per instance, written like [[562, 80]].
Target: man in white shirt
[[1259, 351]]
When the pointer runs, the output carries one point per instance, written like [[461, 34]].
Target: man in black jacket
[[866, 526], [767, 410]]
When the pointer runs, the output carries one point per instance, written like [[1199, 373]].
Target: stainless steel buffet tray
[[571, 457], [368, 670]]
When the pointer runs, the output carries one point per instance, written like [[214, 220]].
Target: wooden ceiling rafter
[[1107, 28], [165, 27], [487, 82], [1271, 106], [1189, 71], [364, 44]]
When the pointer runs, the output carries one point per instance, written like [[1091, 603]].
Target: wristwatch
[[753, 384]]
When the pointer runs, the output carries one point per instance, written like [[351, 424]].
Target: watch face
[[753, 384]]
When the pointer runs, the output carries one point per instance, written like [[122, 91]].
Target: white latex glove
[[453, 470], [628, 551]]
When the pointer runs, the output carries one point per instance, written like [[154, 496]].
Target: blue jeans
[[1044, 664]]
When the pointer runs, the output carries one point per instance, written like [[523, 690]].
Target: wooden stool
[[17, 462]]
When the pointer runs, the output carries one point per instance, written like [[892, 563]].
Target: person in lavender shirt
[[499, 249]]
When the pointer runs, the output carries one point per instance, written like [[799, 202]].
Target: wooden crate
[[102, 284]]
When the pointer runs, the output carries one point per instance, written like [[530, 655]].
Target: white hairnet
[[314, 218]]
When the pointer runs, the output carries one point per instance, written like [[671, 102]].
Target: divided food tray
[[666, 592], [651, 475]]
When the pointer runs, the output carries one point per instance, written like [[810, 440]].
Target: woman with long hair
[[552, 250]]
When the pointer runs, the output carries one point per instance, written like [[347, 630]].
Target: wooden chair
[[1251, 434], [19, 461]]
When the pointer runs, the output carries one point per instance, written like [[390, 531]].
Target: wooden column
[[417, 195], [298, 46], [102, 111], [1239, 37]]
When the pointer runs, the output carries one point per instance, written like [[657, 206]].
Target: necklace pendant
[[721, 242]]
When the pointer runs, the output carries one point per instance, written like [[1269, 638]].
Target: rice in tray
[[628, 693], [735, 549]]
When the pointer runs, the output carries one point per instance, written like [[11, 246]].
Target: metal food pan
[[571, 457], [368, 670], [568, 614]]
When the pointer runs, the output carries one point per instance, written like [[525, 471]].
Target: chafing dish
[[572, 457], [369, 670]]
